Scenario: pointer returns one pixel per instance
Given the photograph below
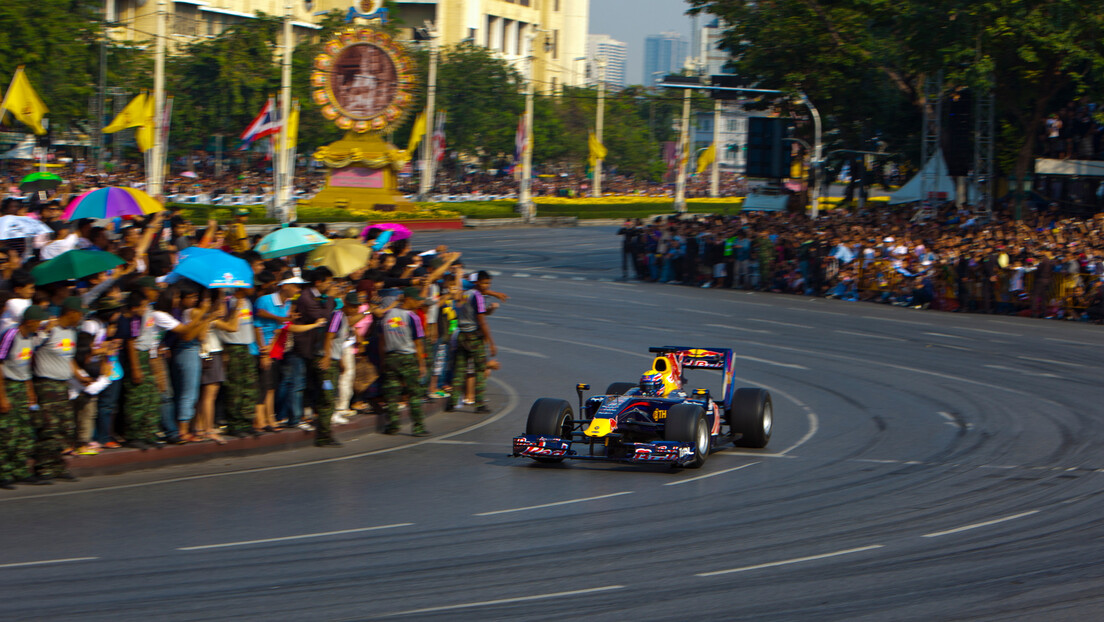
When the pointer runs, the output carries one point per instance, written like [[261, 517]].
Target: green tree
[[57, 42], [483, 97]]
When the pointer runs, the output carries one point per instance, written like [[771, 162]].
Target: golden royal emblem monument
[[364, 82]]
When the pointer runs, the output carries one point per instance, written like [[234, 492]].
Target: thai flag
[[439, 137], [267, 123]]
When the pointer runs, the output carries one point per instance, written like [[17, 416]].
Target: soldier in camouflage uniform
[[16, 395], [141, 396], [472, 343], [54, 366], [404, 362], [239, 341]]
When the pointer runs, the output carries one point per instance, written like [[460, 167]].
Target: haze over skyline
[[632, 21]]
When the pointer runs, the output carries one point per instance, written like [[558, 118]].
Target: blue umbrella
[[289, 241], [212, 268]]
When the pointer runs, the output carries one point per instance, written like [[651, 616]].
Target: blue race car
[[653, 421]]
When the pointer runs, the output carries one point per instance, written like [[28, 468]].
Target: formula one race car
[[655, 421]]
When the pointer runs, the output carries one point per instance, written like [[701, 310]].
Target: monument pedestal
[[362, 173]]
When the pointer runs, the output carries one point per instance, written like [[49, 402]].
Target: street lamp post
[[156, 169], [282, 163], [684, 148], [525, 199], [425, 182]]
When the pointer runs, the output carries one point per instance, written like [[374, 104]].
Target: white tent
[[22, 151], [944, 183]]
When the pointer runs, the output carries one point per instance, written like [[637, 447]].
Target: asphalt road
[[924, 466]]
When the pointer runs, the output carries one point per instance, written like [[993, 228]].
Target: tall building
[[616, 55], [710, 56], [663, 54], [503, 26]]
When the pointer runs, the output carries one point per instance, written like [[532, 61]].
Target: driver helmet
[[651, 383]]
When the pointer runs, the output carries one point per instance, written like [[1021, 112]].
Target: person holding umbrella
[[52, 416]]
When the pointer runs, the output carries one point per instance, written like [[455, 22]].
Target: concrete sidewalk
[[112, 461]]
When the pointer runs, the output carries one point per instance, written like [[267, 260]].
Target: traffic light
[[767, 155]]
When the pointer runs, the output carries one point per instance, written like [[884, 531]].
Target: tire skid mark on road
[[511, 404]]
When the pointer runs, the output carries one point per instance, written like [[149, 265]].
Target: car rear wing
[[706, 358]]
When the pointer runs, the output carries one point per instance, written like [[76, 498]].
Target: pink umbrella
[[188, 174], [398, 232]]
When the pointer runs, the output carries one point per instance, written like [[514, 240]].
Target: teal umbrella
[[289, 241], [73, 265]]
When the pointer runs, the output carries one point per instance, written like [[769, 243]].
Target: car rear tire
[[550, 417], [619, 388], [686, 423], [751, 416]]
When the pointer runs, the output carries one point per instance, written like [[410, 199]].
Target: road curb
[[115, 461]]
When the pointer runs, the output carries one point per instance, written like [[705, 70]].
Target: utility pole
[[684, 154], [599, 123], [109, 16], [525, 199], [281, 199], [715, 168], [155, 171], [425, 183]]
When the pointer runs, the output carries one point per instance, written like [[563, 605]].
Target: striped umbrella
[[111, 202]]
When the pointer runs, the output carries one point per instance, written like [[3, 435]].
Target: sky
[[632, 20]]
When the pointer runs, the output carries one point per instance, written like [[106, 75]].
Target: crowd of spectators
[[1074, 132], [140, 356], [1043, 266], [574, 185]]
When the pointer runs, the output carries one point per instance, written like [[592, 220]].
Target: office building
[[616, 55], [663, 54], [711, 57]]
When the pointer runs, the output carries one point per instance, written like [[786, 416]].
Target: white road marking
[[1051, 361], [740, 328], [991, 332], [1076, 343], [694, 479], [548, 505], [816, 311], [768, 362], [893, 319], [578, 278], [936, 534], [686, 310], [48, 561], [522, 352], [780, 323], [951, 420], [452, 442], [1023, 371], [287, 538], [505, 601], [871, 335], [549, 276], [796, 560], [749, 454], [953, 347], [948, 336], [522, 275]]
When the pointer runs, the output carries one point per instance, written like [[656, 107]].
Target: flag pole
[[280, 164], [425, 182], [154, 173], [600, 122], [525, 199]]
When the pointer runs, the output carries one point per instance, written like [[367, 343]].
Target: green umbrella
[[73, 265], [40, 181]]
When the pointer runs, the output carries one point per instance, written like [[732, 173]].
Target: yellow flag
[[416, 132], [706, 158], [144, 135], [293, 126], [133, 115], [597, 150], [22, 101]]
